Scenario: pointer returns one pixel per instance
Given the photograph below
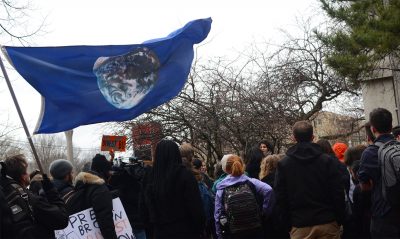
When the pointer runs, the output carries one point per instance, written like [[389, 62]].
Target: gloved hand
[[46, 183]]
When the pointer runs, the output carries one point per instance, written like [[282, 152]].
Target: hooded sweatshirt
[[262, 189], [308, 187]]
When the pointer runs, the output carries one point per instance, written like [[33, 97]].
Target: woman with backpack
[[241, 203], [172, 203]]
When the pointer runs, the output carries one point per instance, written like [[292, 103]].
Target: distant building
[[335, 127]]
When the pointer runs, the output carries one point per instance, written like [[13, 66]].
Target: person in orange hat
[[340, 149]]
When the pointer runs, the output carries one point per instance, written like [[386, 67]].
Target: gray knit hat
[[60, 168]]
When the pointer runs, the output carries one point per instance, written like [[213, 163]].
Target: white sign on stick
[[83, 225]]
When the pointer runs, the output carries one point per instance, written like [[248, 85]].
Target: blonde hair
[[187, 152], [269, 164], [235, 166]]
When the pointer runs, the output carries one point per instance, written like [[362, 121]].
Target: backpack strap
[[259, 198], [379, 144], [68, 196]]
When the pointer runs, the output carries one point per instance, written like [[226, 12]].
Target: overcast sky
[[98, 22]]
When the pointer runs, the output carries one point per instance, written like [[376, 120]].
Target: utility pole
[[70, 150]]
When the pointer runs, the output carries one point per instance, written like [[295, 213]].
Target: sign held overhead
[[113, 143]]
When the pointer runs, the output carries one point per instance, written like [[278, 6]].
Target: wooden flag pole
[[21, 117]]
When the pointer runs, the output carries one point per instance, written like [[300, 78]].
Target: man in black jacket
[[33, 216], [309, 192], [61, 171], [91, 191]]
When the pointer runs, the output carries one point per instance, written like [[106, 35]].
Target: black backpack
[[241, 207], [6, 218], [17, 200], [389, 162]]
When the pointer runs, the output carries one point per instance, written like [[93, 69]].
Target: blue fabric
[[83, 85], [370, 170], [214, 187], [208, 201]]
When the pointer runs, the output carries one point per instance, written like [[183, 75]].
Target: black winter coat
[[91, 191], [308, 187], [40, 214], [49, 213], [269, 179], [180, 213], [129, 189]]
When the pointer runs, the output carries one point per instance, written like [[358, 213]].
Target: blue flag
[[83, 85]]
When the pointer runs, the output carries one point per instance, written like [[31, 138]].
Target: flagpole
[[28, 135]]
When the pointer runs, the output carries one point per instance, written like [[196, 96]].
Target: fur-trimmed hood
[[88, 178]]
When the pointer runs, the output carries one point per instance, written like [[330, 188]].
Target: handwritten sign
[[83, 225], [116, 143]]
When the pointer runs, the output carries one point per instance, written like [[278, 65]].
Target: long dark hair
[[326, 146], [253, 159], [167, 160]]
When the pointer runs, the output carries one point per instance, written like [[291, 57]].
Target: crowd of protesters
[[313, 190]]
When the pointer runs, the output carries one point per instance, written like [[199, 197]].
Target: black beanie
[[100, 164], [197, 163]]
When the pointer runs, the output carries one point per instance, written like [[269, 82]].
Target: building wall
[[379, 93]]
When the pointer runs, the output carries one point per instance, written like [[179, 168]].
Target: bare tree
[[17, 21], [49, 148], [8, 144], [229, 106]]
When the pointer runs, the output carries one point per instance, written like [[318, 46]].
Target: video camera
[[128, 166]]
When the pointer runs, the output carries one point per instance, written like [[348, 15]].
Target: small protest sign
[[115, 143], [83, 225]]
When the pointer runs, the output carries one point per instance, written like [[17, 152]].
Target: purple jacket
[[261, 188]]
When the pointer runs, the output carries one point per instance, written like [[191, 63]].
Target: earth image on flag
[[126, 79]]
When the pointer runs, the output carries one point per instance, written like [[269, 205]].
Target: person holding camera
[[126, 177]]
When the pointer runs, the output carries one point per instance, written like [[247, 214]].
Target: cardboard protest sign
[[83, 225], [115, 143]]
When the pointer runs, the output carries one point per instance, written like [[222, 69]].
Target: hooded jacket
[[262, 189], [91, 191], [308, 187]]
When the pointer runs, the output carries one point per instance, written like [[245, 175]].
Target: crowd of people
[[313, 190]]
